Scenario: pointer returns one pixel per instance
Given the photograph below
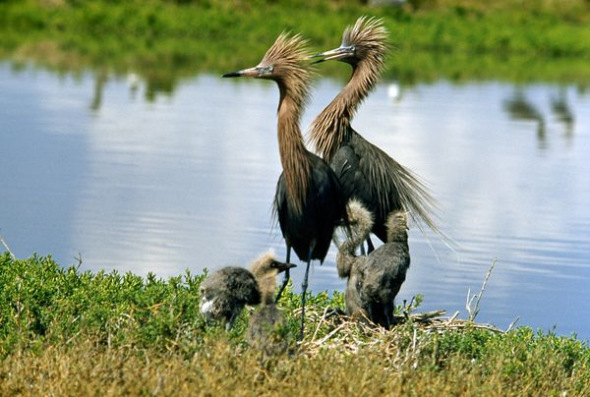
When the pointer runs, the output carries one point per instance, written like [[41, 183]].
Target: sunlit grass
[[68, 332]]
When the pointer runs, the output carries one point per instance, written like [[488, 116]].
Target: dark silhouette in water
[[308, 201], [225, 292], [520, 108], [374, 280], [267, 323], [366, 173]]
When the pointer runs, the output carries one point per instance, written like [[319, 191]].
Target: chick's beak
[[281, 266]]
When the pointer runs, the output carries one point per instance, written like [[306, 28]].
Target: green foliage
[[68, 332], [42, 303], [165, 41]]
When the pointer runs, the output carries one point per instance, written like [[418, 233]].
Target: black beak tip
[[282, 267], [231, 74], [318, 55]]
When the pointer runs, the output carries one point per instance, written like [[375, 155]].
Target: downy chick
[[264, 328], [375, 280], [225, 292], [348, 263]]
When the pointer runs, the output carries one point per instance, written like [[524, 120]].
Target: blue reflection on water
[[187, 181]]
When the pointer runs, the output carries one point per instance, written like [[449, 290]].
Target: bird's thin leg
[[390, 314], [304, 291], [370, 246], [231, 321], [363, 249], [287, 275]]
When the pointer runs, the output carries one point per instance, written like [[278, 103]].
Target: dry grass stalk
[[472, 302], [6, 247]]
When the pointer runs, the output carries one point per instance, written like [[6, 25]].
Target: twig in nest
[[454, 317], [322, 319], [325, 338], [427, 316], [442, 326]]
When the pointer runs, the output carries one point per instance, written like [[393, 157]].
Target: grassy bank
[[67, 332], [164, 40]]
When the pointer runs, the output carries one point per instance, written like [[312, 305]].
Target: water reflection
[[99, 82], [562, 111], [187, 180], [520, 108]]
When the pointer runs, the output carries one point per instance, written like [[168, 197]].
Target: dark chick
[[267, 323], [374, 280], [225, 292]]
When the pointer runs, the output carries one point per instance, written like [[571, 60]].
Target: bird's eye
[[266, 71]]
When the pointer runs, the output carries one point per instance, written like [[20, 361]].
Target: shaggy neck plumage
[[397, 228], [294, 155], [346, 257], [267, 285], [358, 234], [360, 226], [265, 274], [331, 128]]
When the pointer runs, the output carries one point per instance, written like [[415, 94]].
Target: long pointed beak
[[281, 266], [251, 72], [335, 54]]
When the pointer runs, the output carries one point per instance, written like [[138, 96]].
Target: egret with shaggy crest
[[309, 200], [366, 172]]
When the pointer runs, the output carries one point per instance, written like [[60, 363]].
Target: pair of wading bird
[[313, 193]]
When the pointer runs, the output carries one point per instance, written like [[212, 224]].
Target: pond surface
[[89, 167]]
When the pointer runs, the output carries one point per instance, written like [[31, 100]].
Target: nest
[[403, 342]]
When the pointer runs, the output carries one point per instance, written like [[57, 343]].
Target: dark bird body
[[357, 165], [310, 234], [366, 172], [374, 280], [309, 202]]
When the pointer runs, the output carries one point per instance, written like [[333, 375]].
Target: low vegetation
[[64, 331], [163, 41]]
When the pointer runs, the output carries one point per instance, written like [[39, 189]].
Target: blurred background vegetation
[[164, 40]]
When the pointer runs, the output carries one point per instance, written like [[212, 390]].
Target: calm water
[[186, 181]]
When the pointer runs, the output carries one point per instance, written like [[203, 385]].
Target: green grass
[[68, 332], [431, 39]]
